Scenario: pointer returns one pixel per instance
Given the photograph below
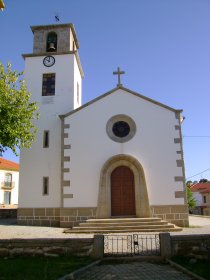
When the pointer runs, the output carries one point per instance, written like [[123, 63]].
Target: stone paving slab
[[132, 271]]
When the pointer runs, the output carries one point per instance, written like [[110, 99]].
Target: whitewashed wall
[[153, 146], [39, 162]]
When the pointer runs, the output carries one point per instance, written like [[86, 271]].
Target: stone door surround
[[141, 195]]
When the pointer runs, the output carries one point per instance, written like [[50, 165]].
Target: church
[[119, 155]]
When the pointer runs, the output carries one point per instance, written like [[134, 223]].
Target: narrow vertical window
[[51, 45], [77, 93], [46, 139], [48, 84], [8, 180], [204, 199], [45, 186]]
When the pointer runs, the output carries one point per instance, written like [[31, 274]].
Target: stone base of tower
[[71, 217]]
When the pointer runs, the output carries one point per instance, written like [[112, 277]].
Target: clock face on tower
[[49, 61]]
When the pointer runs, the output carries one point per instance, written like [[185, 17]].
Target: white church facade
[[119, 155]]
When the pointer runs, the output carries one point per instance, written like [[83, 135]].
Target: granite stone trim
[[141, 194], [62, 161], [179, 163], [68, 195], [176, 214], [55, 217], [179, 194], [177, 140], [66, 183], [116, 118], [177, 115], [65, 170], [67, 147], [67, 159], [178, 178]]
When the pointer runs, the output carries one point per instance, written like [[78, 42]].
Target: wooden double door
[[122, 192]]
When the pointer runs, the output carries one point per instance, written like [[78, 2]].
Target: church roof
[[125, 89], [8, 165]]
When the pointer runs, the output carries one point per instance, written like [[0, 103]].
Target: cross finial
[[118, 72]]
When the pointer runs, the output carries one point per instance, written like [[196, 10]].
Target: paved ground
[[132, 271], [9, 229]]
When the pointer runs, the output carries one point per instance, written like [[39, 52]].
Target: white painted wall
[[14, 191], [153, 146], [38, 162], [198, 198]]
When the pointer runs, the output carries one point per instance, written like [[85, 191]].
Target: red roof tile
[[201, 187], [8, 165]]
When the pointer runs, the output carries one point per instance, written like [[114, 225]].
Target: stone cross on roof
[[118, 72]]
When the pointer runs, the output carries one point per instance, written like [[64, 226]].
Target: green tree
[[16, 111], [190, 199]]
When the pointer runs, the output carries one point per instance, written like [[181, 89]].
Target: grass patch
[[201, 267], [41, 268]]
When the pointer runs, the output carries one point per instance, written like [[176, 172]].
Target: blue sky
[[163, 46]]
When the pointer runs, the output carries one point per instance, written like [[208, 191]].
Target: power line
[[198, 174], [206, 136]]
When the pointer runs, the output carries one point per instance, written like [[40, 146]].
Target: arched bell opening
[[51, 45]]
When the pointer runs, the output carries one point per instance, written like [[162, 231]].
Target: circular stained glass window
[[121, 129]]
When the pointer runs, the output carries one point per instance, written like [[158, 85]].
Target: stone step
[[79, 230], [123, 220], [132, 223], [117, 225], [138, 227]]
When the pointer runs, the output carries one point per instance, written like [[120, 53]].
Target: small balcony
[[7, 185]]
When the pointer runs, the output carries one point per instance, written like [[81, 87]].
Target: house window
[[8, 180], [45, 186], [7, 197], [51, 45], [46, 139], [204, 199], [48, 84]]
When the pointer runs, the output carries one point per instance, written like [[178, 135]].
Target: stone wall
[[175, 214], [197, 246], [46, 247], [55, 217]]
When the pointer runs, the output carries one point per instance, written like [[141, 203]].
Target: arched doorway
[[122, 192], [142, 207]]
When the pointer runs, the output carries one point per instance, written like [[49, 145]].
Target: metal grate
[[129, 245], [120, 245]]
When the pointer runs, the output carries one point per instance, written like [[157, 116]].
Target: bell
[[52, 47]]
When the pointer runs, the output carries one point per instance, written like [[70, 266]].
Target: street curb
[[186, 271], [75, 273]]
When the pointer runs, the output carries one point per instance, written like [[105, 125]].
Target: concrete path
[[132, 271]]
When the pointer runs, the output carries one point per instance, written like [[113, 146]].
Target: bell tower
[[53, 71], [53, 74]]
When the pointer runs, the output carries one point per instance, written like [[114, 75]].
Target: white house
[[9, 181], [118, 155]]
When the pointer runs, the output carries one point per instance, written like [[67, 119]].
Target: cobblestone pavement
[[132, 271]]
